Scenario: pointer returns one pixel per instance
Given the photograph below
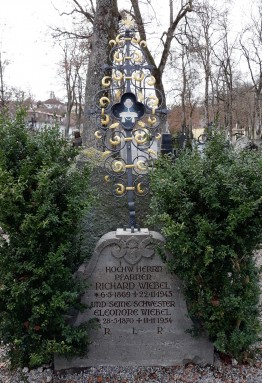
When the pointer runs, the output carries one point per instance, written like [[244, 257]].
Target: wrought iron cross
[[127, 115]]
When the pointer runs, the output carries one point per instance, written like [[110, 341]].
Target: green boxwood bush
[[210, 209], [43, 197]]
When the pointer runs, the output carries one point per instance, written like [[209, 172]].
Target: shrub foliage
[[210, 209], [42, 200]]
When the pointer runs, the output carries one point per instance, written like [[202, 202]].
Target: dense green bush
[[210, 209], [43, 197]]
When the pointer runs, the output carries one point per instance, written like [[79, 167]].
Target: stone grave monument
[[139, 306]]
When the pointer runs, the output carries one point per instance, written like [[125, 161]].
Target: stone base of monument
[[140, 307]]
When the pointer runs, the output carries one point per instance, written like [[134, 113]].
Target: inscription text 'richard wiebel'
[[133, 295]]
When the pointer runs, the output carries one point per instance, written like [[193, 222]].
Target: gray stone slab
[[140, 307]]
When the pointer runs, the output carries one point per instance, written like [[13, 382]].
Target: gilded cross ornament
[[127, 114], [128, 22]]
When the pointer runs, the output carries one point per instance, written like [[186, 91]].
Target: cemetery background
[[241, 108]]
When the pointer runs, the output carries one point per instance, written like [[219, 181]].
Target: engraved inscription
[[133, 295]]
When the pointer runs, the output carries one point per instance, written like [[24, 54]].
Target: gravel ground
[[188, 374], [225, 373]]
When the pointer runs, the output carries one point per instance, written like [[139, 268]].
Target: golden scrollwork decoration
[[105, 119], [119, 39], [116, 140], [112, 43], [114, 126], [98, 135], [141, 124], [138, 76], [128, 123], [152, 152], [118, 57], [151, 120], [141, 165], [117, 95], [104, 101], [137, 57], [120, 189], [106, 81], [140, 97], [151, 81], [117, 76], [141, 186], [153, 100], [136, 39], [106, 153], [141, 137], [117, 166]]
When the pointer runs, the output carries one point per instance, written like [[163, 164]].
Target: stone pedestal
[[139, 305]]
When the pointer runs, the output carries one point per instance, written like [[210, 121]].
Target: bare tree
[[188, 77], [73, 69], [76, 46], [80, 18], [251, 46], [3, 96], [167, 38], [243, 107], [96, 25], [79, 105], [226, 73], [202, 33], [103, 26]]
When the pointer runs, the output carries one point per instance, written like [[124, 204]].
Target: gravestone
[[139, 305]]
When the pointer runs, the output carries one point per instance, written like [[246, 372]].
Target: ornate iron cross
[[128, 124]]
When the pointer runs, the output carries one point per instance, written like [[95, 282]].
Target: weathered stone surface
[[140, 307]]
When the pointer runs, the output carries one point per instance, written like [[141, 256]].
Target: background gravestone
[[139, 305]]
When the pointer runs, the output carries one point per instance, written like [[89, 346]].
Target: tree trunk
[[206, 99], [2, 97], [183, 95], [105, 28]]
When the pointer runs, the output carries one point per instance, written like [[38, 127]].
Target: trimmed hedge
[[210, 209], [43, 199]]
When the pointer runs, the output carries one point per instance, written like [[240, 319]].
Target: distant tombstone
[[182, 139], [241, 143], [139, 305]]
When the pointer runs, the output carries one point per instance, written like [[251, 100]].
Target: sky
[[26, 43]]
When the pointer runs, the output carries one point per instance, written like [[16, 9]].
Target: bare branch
[[93, 7], [170, 34], [141, 30], [58, 33], [88, 15]]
